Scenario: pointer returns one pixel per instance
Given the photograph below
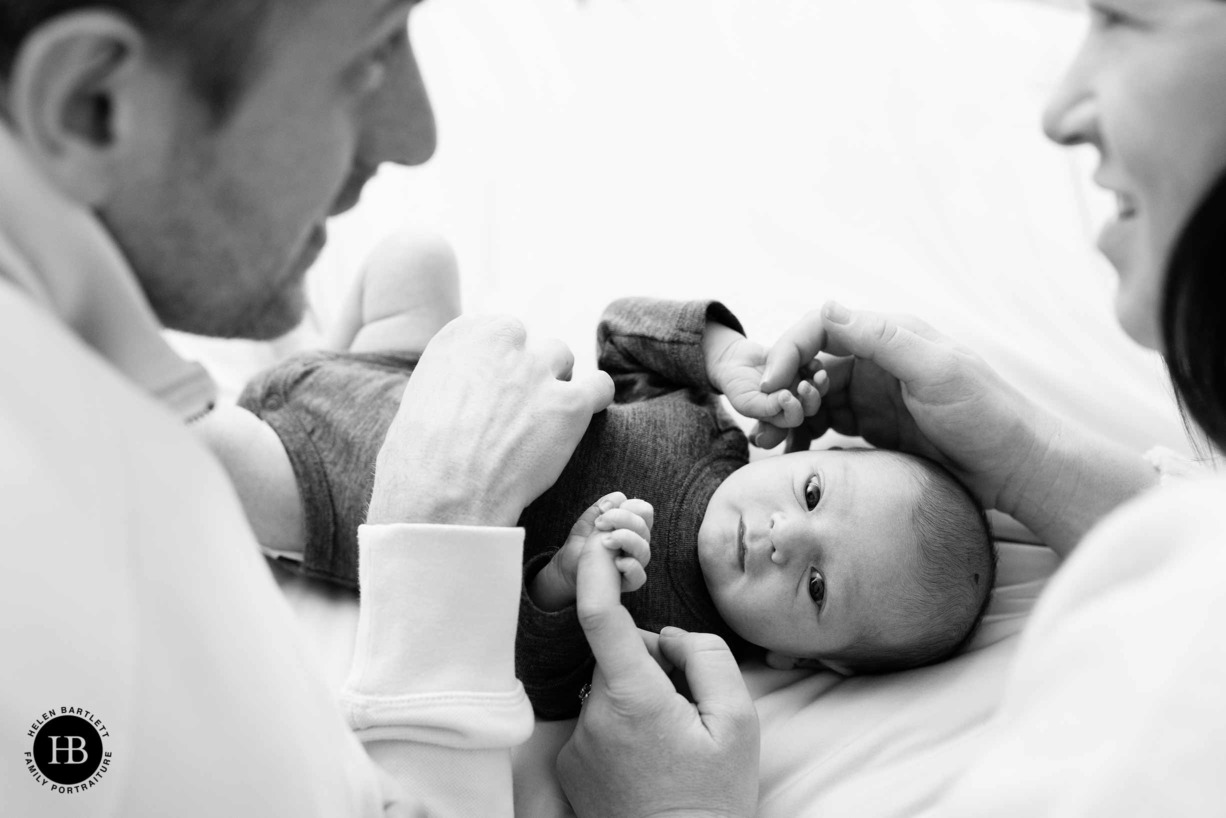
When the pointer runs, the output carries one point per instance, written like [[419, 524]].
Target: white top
[[132, 587], [1115, 704]]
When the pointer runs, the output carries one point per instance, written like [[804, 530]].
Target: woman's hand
[[902, 385], [909, 388], [640, 747]]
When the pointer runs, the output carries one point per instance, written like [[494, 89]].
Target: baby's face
[[804, 553]]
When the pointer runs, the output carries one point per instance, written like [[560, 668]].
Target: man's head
[[214, 137], [868, 561]]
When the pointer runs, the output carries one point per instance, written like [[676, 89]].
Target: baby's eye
[[813, 493], [817, 587]]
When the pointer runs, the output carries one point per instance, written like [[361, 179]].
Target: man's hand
[[621, 526], [485, 426], [641, 748], [736, 367]]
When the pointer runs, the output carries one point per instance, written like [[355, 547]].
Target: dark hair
[[1193, 305], [219, 38], [955, 571]]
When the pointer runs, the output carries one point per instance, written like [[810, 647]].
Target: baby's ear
[[781, 661]]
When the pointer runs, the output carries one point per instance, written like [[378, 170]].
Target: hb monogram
[[76, 744]]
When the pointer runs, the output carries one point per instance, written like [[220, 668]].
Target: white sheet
[[775, 153]]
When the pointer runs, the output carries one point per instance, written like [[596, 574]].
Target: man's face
[[221, 221], [803, 553]]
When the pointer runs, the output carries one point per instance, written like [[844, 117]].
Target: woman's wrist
[[1070, 479]]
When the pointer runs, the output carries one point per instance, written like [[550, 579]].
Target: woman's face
[[1148, 90]]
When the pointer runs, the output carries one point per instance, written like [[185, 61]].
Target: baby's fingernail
[[608, 540], [670, 630], [603, 524], [604, 506], [836, 313]]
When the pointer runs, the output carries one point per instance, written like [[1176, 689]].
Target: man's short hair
[[220, 39], [955, 570]]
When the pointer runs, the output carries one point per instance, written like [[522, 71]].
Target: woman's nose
[[1071, 117]]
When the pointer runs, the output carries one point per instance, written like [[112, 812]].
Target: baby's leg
[[408, 290]]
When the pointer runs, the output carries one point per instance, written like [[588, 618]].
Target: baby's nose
[[778, 535]]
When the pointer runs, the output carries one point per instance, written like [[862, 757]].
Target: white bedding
[[773, 153]]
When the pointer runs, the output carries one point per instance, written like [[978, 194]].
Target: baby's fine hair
[[955, 568]]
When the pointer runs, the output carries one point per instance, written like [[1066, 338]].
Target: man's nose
[[398, 123]]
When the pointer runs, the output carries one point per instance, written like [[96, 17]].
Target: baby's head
[[869, 561]]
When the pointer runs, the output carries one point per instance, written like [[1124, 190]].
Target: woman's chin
[[1138, 317]]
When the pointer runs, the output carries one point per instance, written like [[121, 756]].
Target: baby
[[862, 561]]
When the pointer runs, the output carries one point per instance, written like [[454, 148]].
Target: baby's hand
[[737, 367], [614, 523]]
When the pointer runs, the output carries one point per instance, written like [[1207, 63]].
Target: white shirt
[[1116, 704], [132, 588]]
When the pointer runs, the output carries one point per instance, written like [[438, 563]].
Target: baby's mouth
[[740, 543]]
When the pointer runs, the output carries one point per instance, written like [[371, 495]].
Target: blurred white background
[[772, 154]]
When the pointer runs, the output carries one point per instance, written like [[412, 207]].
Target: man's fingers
[[715, 680], [903, 347], [799, 343], [556, 355], [594, 389], [610, 630]]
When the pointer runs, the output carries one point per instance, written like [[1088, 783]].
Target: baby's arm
[[735, 366], [613, 522], [650, 346], [261, 473]]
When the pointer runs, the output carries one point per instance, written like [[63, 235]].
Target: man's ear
[[65, 95], [780, 661]]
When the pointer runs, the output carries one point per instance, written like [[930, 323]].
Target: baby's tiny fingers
[[810, 398], [789, 406], [822, 381], [611, 500], [625, 543], [619, 518], [642, 508], [633, 575]]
